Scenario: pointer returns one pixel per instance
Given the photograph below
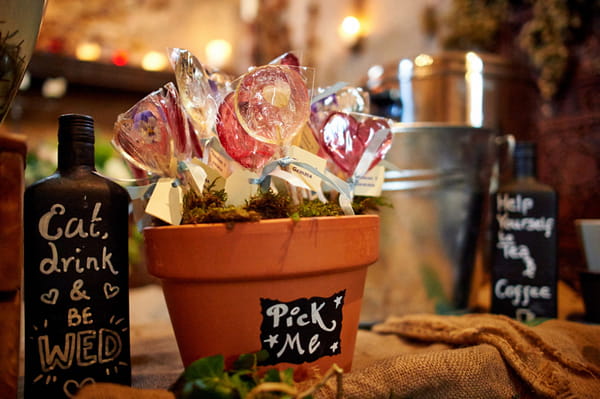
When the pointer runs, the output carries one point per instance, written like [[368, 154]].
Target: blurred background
[[538, 63]]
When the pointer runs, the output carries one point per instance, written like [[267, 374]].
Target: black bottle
[[524, 269], [76, 272]]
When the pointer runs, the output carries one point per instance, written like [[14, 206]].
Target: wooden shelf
[[95, 74]]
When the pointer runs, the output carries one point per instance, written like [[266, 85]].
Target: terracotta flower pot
[[291, 288]]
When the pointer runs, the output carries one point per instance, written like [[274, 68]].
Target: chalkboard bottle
[[524, 269], [75, 272]]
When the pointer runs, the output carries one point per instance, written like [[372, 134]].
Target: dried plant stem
[[272, 387], [334, 370]]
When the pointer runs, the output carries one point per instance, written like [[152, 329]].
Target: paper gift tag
[[308, 177], [196, 176], [166, 202], [238, 186], [218, 162], [291, 178], [370, 184], [213, 176]]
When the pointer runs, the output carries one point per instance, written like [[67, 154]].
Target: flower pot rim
[[279, 248], [289, 220]]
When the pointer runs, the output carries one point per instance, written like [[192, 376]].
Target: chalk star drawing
[[338, 301], [334, 346], [272, 340]]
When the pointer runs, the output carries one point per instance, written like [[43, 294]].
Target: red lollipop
[[367, 129], [338, 138], [289, 59], [345, 139], [247, 151]]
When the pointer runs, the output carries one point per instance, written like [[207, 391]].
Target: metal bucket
[[437, 180], [467, 88]]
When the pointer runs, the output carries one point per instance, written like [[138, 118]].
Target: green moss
[[211, 207], [315, 208], [270, 205], [363, 205]]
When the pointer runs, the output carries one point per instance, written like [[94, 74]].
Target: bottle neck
[[75, 142], [75, 154], [525, 160], [525, 168]]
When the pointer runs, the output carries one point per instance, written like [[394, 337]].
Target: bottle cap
[[524, 159], [76, 127]]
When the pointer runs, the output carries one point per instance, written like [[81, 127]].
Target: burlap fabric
[[470, 356], [486, 356]]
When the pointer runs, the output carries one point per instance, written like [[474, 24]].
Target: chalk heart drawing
[[71, 387], [50, 297], [110, 290]]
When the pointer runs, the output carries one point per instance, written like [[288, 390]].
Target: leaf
[[262, 355], [272, 375], [203, 389], [434, 288], [206, 367], [243, 383], [246, 361]]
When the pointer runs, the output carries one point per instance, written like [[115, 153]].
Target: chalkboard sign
[[76, 272], [524, 273], [76, 298], [302, 330]]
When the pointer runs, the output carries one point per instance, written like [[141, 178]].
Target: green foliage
[[434, 289], [209, 378]]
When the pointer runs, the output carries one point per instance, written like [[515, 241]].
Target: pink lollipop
[[247, 151], [345, 139], [272, 103], [153, 133]]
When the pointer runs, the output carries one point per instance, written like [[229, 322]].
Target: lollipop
[[247, 151], [288, 59], [345, 139], [200, 90], [272, 103], [154, 132], [343, 99]]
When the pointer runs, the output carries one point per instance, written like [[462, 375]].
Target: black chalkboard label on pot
[[76, 273], [302, 330]]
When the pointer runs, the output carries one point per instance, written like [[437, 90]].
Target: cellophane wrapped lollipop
[[343, 99], [268, 107], [344, 137], [201, 90], [289, 59], [272, 103], [247, 151], [155, 133]]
